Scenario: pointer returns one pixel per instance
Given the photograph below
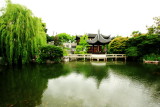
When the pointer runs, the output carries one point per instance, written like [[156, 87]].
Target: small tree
[[82, 47]]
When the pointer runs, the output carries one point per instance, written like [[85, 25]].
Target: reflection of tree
[[21, 87], [54, 70], [149, 74], [91, 71], [138, 71]]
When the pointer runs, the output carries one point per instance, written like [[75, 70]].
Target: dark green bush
[[50, 52], [145, 44], [152, 57], [132, 51]]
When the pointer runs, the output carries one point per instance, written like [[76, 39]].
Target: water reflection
[[88, 70], [81, 84], [24, 86], [110, 85], [21, 87]]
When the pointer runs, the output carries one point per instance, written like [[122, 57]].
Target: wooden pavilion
[[97, 43]]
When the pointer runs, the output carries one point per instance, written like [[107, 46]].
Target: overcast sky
[[115, 17]]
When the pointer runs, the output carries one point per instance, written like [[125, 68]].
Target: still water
[[81, 84]]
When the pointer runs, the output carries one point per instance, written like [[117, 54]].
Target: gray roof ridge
[[99, 38], [93, 40], [103, 40]]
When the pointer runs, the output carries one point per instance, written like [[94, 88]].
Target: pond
[[81, 84]]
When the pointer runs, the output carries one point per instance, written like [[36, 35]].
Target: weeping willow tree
[[21, 34]]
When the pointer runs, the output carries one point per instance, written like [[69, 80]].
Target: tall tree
[[154, 29], [21, 34]]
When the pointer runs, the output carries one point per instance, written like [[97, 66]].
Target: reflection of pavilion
[[99, 72], [98, 63]]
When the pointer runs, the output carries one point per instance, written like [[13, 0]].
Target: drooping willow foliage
[[21, 34]]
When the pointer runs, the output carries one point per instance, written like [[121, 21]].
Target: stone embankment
[[152, 62]]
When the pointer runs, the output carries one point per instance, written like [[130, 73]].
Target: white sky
[[115, 17]]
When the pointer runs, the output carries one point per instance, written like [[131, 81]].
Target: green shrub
[[132, 51], [79, 48], [117, 45], [50, 52], [152, 57]]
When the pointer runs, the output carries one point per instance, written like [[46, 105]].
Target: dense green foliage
[[50, 52], [117, 45], [144, 44], [81, 48], [21, 34], [152, 57], [145, 47], [132, 51], [139, 46], [49, 38]]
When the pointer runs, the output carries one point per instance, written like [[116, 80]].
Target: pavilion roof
[[99, 38], [90, 35]]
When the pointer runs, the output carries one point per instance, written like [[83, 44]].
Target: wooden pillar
[[92, 49], [98, 48]]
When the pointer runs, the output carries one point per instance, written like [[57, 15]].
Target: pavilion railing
[[96, 56]]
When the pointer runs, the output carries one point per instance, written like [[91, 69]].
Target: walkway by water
[[97, 57]]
